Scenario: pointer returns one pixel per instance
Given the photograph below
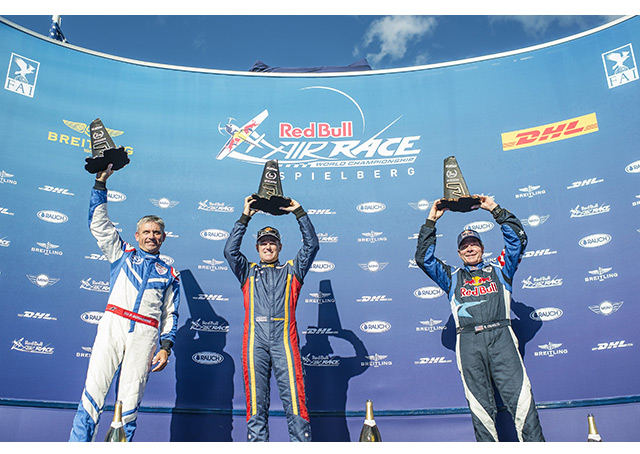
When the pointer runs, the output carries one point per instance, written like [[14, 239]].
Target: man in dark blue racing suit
[[270, 339], [480, 297]]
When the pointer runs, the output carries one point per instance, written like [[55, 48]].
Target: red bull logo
[[316, 130], [479, 290], [477, 280]]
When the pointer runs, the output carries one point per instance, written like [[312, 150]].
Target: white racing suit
[[143, 302]]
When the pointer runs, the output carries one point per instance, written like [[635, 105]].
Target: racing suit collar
[[276, 263], [147, 255], [479, 266]]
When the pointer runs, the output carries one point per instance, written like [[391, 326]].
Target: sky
[[234, 42]]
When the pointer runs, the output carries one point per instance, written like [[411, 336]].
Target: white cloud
[[394, 35]]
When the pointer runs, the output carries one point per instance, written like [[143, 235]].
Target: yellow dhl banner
[[550, 133]]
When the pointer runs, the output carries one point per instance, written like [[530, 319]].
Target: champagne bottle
[[593, 430], [370, 430], [116, 431]]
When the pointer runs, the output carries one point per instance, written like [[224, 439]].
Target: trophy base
[[271, 205], [116, 156], [462, 204]]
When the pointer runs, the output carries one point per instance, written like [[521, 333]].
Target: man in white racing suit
[[141, 315]]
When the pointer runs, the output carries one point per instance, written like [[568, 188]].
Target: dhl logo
[[552, 132], [477, 280]]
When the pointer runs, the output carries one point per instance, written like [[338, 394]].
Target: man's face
[[268, 248], [470, 251], [150, 237]]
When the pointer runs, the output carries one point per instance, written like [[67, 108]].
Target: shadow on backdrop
[[525, 329], [328, 375], [204, 372]]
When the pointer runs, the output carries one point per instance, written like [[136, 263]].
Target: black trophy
[[456, 193], [269, 197], [103, 150]]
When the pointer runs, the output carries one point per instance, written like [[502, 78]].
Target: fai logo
[[620, 66], [22, 75], [552, 132], [606, 307]]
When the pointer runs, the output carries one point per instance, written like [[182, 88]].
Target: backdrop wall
[[551, 132]]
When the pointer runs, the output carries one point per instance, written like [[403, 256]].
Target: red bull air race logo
[[343, 148]]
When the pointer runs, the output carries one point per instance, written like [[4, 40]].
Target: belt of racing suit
[[484, 327], [132, 315]]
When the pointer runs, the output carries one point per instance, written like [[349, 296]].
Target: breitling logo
[[82, 138]]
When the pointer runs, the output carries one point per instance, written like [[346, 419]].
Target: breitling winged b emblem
[[83, 128]]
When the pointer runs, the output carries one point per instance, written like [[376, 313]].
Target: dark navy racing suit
[[270, 337], [486, 347]]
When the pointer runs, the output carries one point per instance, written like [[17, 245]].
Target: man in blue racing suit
[[270, 339], [143, 302], [480, 297]]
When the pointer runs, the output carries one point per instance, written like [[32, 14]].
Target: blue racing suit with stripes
[[486, 347], [141, 315], [270, 339]]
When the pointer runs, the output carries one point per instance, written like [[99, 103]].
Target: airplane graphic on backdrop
[[243, 134]]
